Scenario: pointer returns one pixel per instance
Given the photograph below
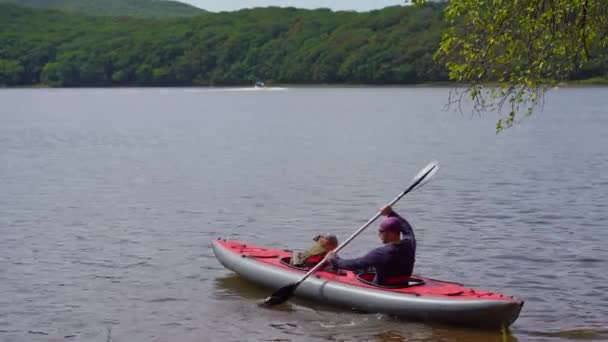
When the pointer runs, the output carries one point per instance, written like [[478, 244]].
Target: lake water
[[109, 199]]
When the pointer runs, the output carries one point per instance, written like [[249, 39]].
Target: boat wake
[[253, 89]]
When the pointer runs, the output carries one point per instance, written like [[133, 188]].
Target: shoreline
[[592, 82]]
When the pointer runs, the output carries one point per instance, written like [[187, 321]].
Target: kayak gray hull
[[472, 312]]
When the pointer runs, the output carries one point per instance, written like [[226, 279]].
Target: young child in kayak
[[310, 257], [393, 262]]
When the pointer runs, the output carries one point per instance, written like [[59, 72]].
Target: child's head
[[327, 241]]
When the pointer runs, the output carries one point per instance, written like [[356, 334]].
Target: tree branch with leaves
[[508, 53]]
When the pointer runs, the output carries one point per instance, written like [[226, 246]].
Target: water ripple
[[110, 197]]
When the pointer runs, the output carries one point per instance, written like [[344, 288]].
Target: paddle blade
[[281, 295], [425, 174]]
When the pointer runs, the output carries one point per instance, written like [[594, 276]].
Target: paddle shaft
[[360, 230]]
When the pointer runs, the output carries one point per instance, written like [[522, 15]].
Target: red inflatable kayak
[[419, 299]]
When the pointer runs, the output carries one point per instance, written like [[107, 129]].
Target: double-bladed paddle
[[284, 293]]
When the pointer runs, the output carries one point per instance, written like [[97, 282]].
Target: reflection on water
[[329, 323], [234, 286], [590, 334]]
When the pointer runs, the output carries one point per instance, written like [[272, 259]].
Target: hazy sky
[[230, 5]]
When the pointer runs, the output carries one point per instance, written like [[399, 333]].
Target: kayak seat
[[368, 278], [307, 267]]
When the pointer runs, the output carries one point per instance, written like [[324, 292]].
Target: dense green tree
[[10, 72], [59, 74]]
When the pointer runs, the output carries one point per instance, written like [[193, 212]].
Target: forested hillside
[[278, 45], [132, 8]]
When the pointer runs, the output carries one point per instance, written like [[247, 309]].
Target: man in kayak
[[312, 256], [393, 262]]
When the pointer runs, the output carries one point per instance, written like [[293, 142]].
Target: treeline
[[393, 46], [390, 46], [131, 8]]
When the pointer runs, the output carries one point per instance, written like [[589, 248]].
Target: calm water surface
[[109, 198]]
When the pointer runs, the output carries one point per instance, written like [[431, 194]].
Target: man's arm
[[370, 259]]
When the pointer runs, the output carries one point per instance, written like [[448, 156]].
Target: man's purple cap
[[392, 224]]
